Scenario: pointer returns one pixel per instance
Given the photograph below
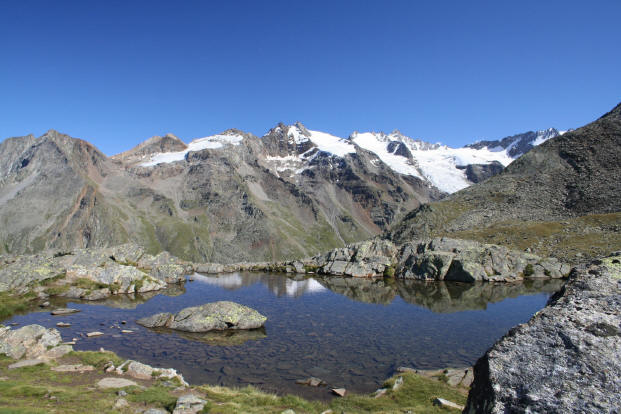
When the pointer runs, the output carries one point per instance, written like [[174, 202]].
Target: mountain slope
[[561, 198], [224, 198]]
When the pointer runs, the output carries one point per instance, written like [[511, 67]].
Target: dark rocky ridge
[[540, 201], [566, 359], [518, 144]]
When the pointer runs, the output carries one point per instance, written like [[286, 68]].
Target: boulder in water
[[217, 316]]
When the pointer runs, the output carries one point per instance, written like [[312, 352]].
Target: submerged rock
[[566, 359], [211, 316]]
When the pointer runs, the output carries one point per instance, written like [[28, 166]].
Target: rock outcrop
[[566, 359], [437, 259], [92, 274], [216, 316], [34, 342]]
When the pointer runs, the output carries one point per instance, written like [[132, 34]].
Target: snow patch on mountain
[[439, 165], [378, 144], [324, 142], [199, 144]]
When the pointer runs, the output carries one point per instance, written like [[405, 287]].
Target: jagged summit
[[517, 145], [291, 149]]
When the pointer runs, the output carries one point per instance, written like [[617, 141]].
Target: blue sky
[[118, 72]]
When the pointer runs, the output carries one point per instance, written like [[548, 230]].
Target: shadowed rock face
[[566, 359], [216, 316], [481, 172], [546, 200]]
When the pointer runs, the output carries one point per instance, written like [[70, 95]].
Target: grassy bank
[[39, 389]]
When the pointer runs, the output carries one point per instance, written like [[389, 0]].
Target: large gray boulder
[[31, 341], [566, 359], [370, 258], [470, 261], [208, 317]]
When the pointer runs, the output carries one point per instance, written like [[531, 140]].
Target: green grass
[[11, 303], [88, 284], [28, 390], [97, 359], [590, 236], [416, 394], [153, 396]]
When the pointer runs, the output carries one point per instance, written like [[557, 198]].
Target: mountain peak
[[614, 113]]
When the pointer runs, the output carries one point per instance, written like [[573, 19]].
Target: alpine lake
[[349, 332]]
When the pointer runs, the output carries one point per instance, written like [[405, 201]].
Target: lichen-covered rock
[[566, 359], [469, 261], [209, 268], [30, 341], [365, 259], [211, 316], [112, 270], [139, 370], [189, 404], [120, 278], [437, 259]]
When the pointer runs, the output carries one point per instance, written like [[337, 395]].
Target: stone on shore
[[441, 402], [30, 341], [189, 404], [115, 383], [73, 368], [26, 363], [566, 359], [339, 391], [221, 315]]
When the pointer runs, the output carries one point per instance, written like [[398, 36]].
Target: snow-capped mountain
[[517, 145], [233, 196], [292, 149]]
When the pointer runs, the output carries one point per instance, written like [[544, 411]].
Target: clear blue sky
[[118, 72]]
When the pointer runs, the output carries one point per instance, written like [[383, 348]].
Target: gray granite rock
[[189, 404], [211, 316], [31, 341], [566, 359]]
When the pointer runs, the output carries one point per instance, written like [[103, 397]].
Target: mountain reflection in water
[[351, 333], [440, 297]]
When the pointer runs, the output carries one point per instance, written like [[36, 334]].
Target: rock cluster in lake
[[566, 359], [216, 316]]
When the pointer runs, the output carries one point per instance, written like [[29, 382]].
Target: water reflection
[[440, 297], [349, 332], [217, 338], [125, 301], [279, 285]]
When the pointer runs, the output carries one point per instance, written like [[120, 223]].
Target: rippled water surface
[[348, 332]]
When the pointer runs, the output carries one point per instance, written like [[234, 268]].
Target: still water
[[349, 332]]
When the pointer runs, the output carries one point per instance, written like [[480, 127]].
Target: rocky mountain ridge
[[226, 198], [562, 198]]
